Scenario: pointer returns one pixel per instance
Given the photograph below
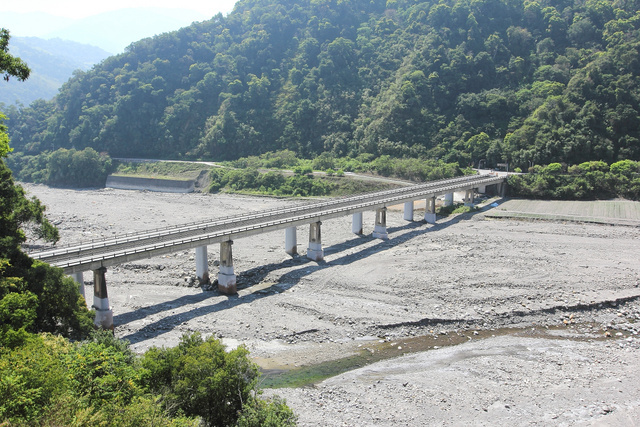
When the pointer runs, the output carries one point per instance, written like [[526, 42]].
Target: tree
[[34, 297], [11, 65]]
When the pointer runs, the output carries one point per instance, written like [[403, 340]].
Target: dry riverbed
[[470, 321]]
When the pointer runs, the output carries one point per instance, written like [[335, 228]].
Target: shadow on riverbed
[[289, 279]]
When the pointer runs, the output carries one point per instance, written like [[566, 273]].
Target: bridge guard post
[[202, 264], [356, 223], [448, 199], [380, 229], [430, 211], [79, 278], [315, 251], [291, 241], [408, 211], [226, 276], [104, 314], [468, 197]]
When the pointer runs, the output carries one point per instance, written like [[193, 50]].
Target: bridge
[[97, 255]]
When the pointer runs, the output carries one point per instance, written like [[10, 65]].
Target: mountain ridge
[[472, 82]]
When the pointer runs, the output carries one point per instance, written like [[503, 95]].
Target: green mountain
[[473, 81]]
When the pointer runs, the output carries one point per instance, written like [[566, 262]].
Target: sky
[[82, 8]]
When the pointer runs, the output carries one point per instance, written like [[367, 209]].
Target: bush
[[198, 378], [267, 413]]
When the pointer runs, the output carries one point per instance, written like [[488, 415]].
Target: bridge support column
[[380, 229], [448, 199], [468, 197], [356, 223], [291, 241], [502, 189], [408, 211], [315, 251], [202, 264], [226, 276], [430, 211], [104, 314], [79, 278]]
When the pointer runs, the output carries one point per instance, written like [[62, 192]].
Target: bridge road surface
[[135, 246]]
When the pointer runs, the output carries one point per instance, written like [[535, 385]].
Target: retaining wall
[[150, 184]]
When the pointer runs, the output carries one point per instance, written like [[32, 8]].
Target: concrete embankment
[[151, 184]]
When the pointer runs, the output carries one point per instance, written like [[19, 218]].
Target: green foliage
[[588, 180], [267, 413], [11, 65], [73, 168], [199, 378], [461, 81]]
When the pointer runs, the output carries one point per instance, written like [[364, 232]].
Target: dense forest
[[468, 81]]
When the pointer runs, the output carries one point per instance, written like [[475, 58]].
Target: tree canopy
[[467, 81], [11, 65]]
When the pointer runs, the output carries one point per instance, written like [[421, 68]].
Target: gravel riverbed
[[479, 321]]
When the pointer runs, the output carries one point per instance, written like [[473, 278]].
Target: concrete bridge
[[96, 256]]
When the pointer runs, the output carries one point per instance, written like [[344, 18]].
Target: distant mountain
[[52, 63], [111, 31], [114, 31]]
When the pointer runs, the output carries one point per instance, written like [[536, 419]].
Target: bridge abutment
[[226, 275], [291, 241], [315, 251], [430, 211], [380, 229], [104, 313], [408, 211], [356, 223]]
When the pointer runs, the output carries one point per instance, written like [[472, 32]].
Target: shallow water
[[382, 349]]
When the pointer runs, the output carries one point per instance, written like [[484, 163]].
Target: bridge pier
[[468, 197], [380, 229], [408, 211], [448, 199], [430, 211], [315, 251], [291, 241], [356, 223], [202, 264], [104, 314], [226, 276], [79, 279]]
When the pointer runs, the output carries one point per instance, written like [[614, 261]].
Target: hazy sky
[[84, 8]]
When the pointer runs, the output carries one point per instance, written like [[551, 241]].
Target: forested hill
[[459, 80]]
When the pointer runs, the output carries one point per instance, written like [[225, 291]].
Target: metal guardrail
[[133, 246]]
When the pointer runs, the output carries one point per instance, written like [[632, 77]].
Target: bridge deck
[[135, 246]]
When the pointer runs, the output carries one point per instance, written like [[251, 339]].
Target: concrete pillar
[[202, 264], [315, 251], [79, 278], [104, 314], [356, 223], [503, 189], [408, 211], [468, 197], [291, 241], [482, 189], [448, 199], [430, 211], [380, 229], [226, 276]]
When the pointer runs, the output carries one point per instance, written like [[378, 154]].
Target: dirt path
[[573, 286]]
